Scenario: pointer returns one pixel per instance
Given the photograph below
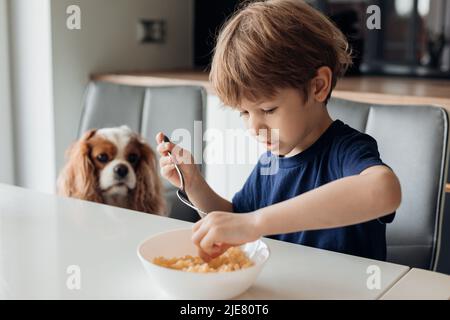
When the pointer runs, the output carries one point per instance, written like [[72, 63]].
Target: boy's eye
[[270, 111], [243, 113]]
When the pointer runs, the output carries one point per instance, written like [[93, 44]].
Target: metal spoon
[[181, 193]]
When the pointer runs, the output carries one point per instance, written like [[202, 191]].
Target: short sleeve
[[358, 153]]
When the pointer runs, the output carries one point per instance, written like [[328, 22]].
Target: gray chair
[[413, 141], [148, 110]]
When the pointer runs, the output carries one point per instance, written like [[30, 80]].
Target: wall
[[31, 93], [50, 68], [108, 42], [6, 142]]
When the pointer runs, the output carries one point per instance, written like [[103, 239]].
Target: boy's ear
[[321, 84]]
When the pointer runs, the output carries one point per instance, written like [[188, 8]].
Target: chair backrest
[[148, 110], [413, 141]]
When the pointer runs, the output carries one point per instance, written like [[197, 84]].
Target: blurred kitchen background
[[45, 67]]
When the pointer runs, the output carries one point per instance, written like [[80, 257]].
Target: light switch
[[152, 31]]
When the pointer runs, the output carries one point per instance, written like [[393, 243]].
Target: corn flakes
[[231, 260]]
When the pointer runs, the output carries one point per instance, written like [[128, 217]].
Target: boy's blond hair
[[269, 45]]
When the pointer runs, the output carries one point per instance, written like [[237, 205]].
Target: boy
[[277, 63]]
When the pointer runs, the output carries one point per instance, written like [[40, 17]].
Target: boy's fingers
[[159, 148], [164, 147], [199, 234], [159, 137], [217, 250], [205, 257], [180, 155], [207, 245], [197, 225], [164, 160], [167, 169]]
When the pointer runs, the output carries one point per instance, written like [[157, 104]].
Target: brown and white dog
[[113, 166]]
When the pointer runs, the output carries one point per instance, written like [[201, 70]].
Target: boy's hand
[[182, 157], [219, 230]]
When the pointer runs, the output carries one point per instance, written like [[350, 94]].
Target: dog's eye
[[103, 157], [133, 158]]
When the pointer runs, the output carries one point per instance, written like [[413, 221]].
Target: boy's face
[[296, 121]]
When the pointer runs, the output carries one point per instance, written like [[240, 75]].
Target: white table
[[419, 284], [42, 235]]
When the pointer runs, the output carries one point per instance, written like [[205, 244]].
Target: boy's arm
[[372, 194], [205, 198]]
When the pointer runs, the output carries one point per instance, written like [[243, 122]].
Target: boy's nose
[[255, 127], [260, 131]]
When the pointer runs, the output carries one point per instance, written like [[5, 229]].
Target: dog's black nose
[[121, 171]]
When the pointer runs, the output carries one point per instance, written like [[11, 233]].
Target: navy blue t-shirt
[[339, 152]]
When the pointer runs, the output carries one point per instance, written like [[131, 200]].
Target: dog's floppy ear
[[77, 178], [148, 194]]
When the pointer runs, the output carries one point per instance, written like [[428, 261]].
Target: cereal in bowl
[[231, 260]]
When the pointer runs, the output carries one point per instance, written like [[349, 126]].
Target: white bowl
[[178, 284]]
